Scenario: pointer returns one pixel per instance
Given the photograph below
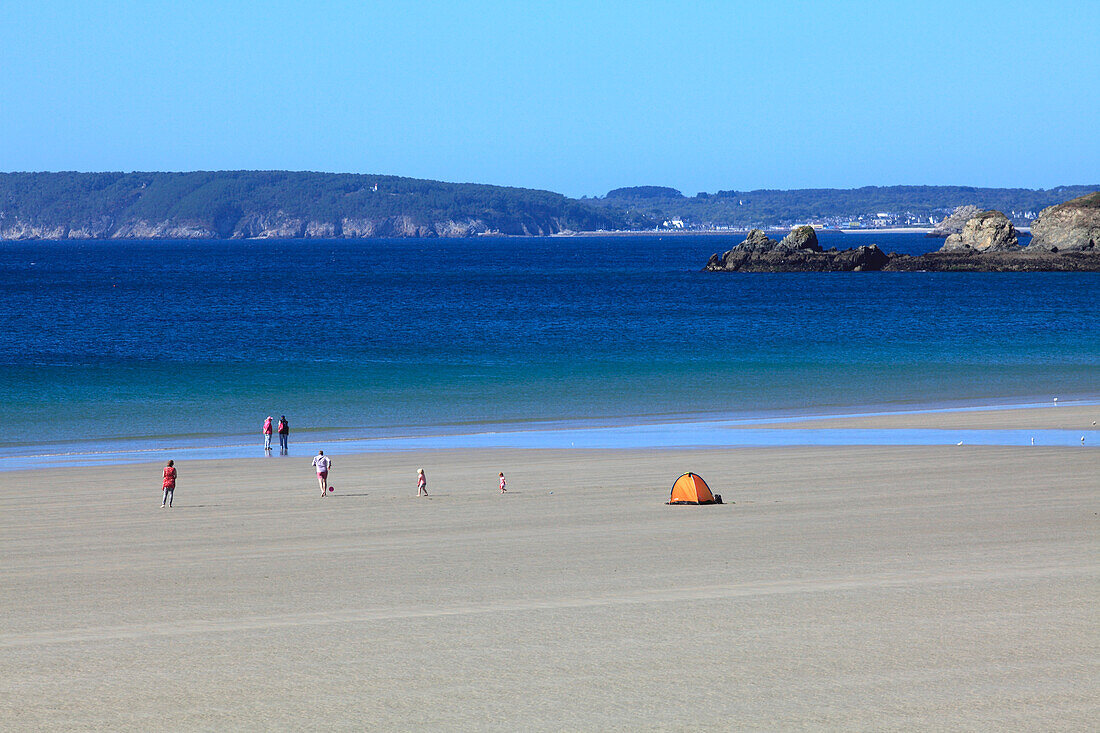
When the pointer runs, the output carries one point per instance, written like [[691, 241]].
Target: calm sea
[[195, 342]]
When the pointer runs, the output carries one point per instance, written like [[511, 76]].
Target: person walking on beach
[[421, 483], [322, 463], [169, 484], [267, 433], [503, 483], [284, 432]]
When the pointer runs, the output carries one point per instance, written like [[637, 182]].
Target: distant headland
[[282, 204]]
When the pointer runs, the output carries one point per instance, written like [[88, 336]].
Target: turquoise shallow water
[[194, 343], [700, 432]]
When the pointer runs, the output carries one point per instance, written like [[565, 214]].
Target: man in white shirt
[[322, 463]]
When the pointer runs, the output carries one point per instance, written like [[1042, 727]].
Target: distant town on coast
[[281, 204]]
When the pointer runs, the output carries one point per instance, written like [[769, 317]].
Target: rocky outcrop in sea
[[986, 231], [954, 222], [799, 251], [1073, 226], [1021, 260], [987, 242]]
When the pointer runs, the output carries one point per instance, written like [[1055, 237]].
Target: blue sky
[[576, 97]]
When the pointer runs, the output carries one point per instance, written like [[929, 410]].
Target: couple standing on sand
[[283, 430]]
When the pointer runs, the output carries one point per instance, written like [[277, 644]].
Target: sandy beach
[[862, 588]]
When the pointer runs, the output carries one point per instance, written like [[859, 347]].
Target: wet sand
[[1085, 418], [863, 588]]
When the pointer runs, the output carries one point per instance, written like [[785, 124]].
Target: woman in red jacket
[[169, 484]]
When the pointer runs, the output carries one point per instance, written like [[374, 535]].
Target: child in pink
[[502, 483], [421, 483]]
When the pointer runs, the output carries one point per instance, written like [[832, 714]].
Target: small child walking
[[421, 483], [503, 483]]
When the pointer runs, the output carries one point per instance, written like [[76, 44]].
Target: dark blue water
[[204, 339]]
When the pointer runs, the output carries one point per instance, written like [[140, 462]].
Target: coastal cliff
[[1070, 227], [259, 226], [277, 204]]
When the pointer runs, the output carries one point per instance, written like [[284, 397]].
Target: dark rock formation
[[987, 231], [866, 258], [1070, 227], [797, 252], [994, 250], [756, 241], [955, 222], [1022, 259]]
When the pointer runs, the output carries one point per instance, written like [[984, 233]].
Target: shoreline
[[1007, 424], [742, 232], [727, 232], [498, 235]]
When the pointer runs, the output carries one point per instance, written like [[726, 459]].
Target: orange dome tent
[[692, 489]]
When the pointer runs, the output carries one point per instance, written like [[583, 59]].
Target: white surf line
[[180, 627]]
